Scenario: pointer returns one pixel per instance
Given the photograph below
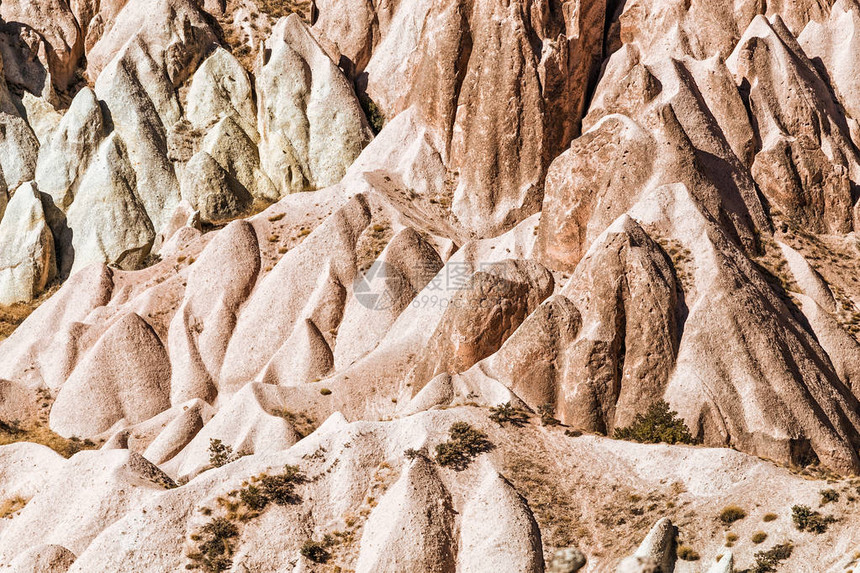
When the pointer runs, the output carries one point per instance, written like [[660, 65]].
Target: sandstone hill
[[397, 286]]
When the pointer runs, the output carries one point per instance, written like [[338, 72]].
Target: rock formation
[[378, 286]]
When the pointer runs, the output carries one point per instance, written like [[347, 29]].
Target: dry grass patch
[[12, 316], [303, 424], [280, 8], [731, 514], [11, 506], [11, 433]]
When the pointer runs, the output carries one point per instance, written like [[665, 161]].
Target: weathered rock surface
[[217, 195], [109, 221], [27, 259], [55, 22], [43, 559], [309, 117], [581, 208], [101, 392], [411, 528], [64, 159]]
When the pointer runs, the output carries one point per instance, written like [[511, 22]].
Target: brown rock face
[[589, 185], [505, 82], [481, 316], [56, 24], [626, 349], [808, 164], [599, 364]]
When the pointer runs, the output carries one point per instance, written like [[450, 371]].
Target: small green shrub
[[220, 454], [829, 496], [731, 514], [215, 548], [687, 553], [315, 551], [768, 561], [254, 498], [759, 537], [806, 519], [658, 424], [375, 117], [325, 391], [464, 445], [412, 453], [768, 517], [281, 488], [573, 433], [508, 414]]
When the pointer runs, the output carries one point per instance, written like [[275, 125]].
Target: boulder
[[311, 124], [660, 545], [27, 258], [216, 194], [109, 221]]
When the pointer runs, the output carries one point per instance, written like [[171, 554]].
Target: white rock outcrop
[[310, 121], [27, 258]]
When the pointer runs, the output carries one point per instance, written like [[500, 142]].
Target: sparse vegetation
[[829, 496], [375, 117], [12, 316], [768, 561], [464, 445], [325, 391], [806, 519], [303, 424], [731, 538], [39, 433], [214, 540], [509, 414], [412, 453], [215, 547], [279, 8], [573, 433], [316, 551], [731, 514], [547, 415], [759, 537], [658, 424], [687, 553], [254, 498], [281, 488], [768, 517], [11, 506], [220, 454]]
